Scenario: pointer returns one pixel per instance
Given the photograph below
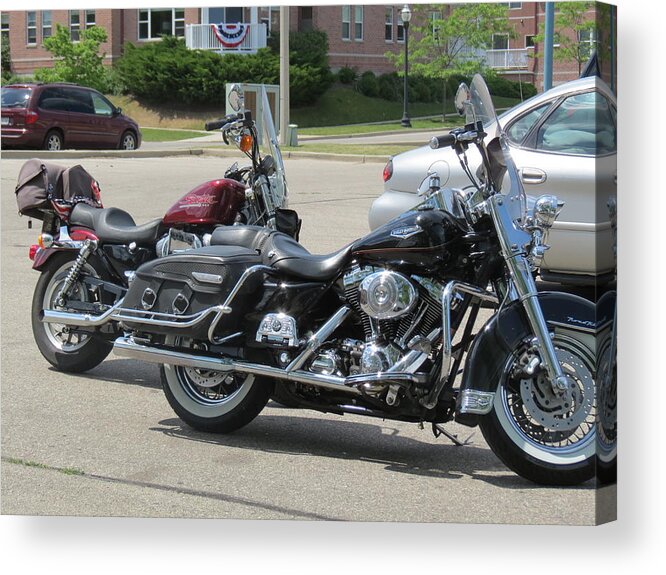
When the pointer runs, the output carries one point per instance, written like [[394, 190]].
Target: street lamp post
[[406, 16]]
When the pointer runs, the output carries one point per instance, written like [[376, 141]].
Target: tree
[[78, 62], [446, 41], [6, 61], [575, 33]]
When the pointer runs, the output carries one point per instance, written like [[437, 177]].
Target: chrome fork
[[513, 242]]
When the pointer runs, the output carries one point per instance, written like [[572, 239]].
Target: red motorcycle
[[87, 254]]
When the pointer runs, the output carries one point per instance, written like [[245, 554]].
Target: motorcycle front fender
[[505, 332]]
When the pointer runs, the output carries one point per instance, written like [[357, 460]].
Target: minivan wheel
[[128, 141], [53, 141]]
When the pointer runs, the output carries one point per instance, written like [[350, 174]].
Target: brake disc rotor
[[205, 377], [564, 412]]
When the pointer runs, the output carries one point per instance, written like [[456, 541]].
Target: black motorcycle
[[381, 327], [87, 255]]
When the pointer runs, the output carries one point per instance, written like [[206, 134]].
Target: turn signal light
[[246, 143], [33, 251], [45, 240]]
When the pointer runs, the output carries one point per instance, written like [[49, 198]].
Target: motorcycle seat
[[285, 254], [251, 237], [282, 252], [114, 226]]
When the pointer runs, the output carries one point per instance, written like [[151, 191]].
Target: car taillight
[[34, 248], [31, 118], [388, 170]]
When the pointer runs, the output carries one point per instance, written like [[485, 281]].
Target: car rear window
[[15, 97]]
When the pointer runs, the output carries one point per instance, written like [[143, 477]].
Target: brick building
[[358, 35]]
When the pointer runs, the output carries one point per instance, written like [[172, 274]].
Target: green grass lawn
[[341, 109], [342, 105], [162, 135]]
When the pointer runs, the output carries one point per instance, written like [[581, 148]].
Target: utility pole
[[548, 46], [284, 74]]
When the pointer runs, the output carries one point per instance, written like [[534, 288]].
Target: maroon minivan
[[58, 116]]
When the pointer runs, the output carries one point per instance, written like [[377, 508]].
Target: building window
[[47, 24], [401, 30], [90, 18], [227, 15], [500, 42], [74, 25], [31, 27], [5, 27], [157, 22], [358, 23], [529, 41], [513, 5], [346, 22], [388, 24], [588, 42]]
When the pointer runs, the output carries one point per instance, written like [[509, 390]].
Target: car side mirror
[[117, 111]]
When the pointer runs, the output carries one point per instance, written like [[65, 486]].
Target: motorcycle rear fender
[[43, 255], [506, 331]]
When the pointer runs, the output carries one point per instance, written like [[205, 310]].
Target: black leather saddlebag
[[185, 284]]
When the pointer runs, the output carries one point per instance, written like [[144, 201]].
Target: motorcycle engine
[[395, 310]]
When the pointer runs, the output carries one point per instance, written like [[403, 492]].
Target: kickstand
[[438, 430]]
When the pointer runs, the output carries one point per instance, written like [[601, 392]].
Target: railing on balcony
[[202, 37], [513, 59]]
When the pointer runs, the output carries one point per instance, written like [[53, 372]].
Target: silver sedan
[[564, 142]]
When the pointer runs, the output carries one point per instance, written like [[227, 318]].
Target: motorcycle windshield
[[278, 180], [503, 171]]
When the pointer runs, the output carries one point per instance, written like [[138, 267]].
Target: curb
[[69, 154], [103, 154]]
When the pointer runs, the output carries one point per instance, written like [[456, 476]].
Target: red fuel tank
[[214, 202]]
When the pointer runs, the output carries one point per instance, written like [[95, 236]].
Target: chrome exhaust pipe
[[78, 319], [127, 347]]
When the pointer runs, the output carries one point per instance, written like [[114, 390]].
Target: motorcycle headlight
[[546, 210]]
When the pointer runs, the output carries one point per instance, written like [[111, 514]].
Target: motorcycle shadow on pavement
[[381, 443], [124, 371]]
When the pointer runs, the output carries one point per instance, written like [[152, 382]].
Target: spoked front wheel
[[546, 437]]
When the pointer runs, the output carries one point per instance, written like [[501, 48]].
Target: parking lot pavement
[[107, 443]]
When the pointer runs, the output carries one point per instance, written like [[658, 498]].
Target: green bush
[[167, 71], [368, 85], [500, 86], [305, 48], [389, 87], [347, 75], [307, 84]]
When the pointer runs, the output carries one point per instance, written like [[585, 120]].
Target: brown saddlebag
[[40, 182]]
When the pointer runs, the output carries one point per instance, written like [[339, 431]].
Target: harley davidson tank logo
[[406, 232], [197, 201]]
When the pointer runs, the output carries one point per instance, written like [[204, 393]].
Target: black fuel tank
[[420, 240]]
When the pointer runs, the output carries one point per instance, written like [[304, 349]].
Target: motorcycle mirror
[[463, 97], [236, 98]]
